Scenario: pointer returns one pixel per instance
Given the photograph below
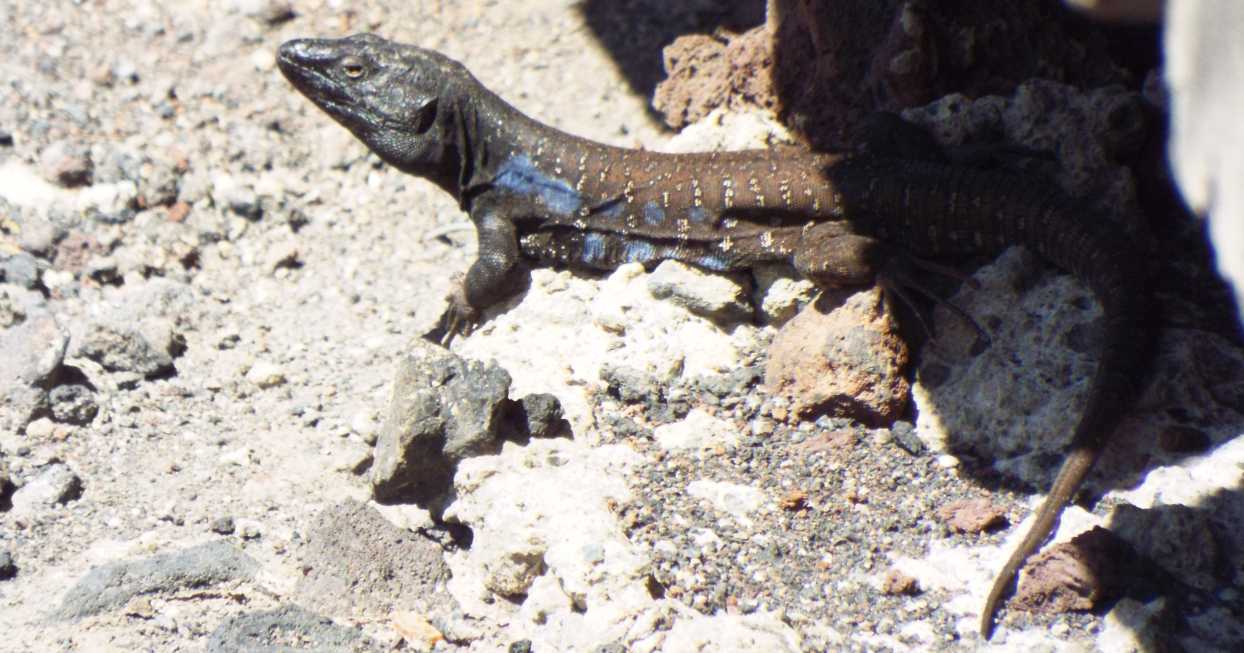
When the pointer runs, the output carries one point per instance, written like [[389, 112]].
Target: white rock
[[1130, 626], [724, 129], [759, 632], [699, 432], [22, 185], [265, 374], [736, 500], [566, 327], [108, 199], [554, 495]]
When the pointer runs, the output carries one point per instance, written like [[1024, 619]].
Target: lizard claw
[[897, 275], [459, 318]]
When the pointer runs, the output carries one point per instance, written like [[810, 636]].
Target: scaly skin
[[533, 191]]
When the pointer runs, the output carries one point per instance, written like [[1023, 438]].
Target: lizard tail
[[1112, 270], [1075, 467]]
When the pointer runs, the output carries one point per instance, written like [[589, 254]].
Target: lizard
[[536, 193]]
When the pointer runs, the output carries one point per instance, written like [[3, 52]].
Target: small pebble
[[222, 526], [8, 568]]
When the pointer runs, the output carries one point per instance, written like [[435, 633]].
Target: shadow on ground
[[635, 32]]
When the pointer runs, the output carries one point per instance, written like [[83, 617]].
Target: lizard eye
[[352, 67]]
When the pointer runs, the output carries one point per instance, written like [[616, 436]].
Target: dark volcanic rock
[[284, 630], [443, 409], [111, 585]]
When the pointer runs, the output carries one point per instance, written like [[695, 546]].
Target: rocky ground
[[210, 306]]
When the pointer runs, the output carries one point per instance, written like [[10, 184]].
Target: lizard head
[[386, 93]]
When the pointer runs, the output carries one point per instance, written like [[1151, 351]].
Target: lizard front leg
[[491, 278]]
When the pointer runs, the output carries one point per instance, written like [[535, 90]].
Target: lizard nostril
[[290, 52]]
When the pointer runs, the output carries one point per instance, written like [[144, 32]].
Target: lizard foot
[[459, 318], [897, 274]]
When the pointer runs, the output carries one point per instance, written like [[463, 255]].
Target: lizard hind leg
[[831, 255], [900, 272]]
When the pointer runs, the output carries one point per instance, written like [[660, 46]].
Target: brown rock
[[822, 64], [896, 583], [67, 164], [76, 250], [1079, 575], [842, 355], [972, 516], [794, 500], [703, 73], [178, 212], [836, 442], [416, 630]]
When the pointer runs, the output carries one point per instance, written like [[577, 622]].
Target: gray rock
[[1180, 539], [631, 385], [195, 185], [698, 433], [66, 163], [114, 162], [1019, 395], [284, 630], [56, 484], [112, 585], [8, 568], [73, 403], [158, 187], [718, 297], [267, 11], [1092, 131], [762, 631], [163, 297], [20, 269], [124, 349], [543, 515], [104, 270], [780, 293], [38, 234], [358, 562], [540, 416], [443, 409], [6, 487], [222, 526], [907, 440], [32, 347]]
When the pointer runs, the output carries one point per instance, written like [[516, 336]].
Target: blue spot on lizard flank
[[653, 213], [639, 251], [520, 175], [712, 262], [593, 247]]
